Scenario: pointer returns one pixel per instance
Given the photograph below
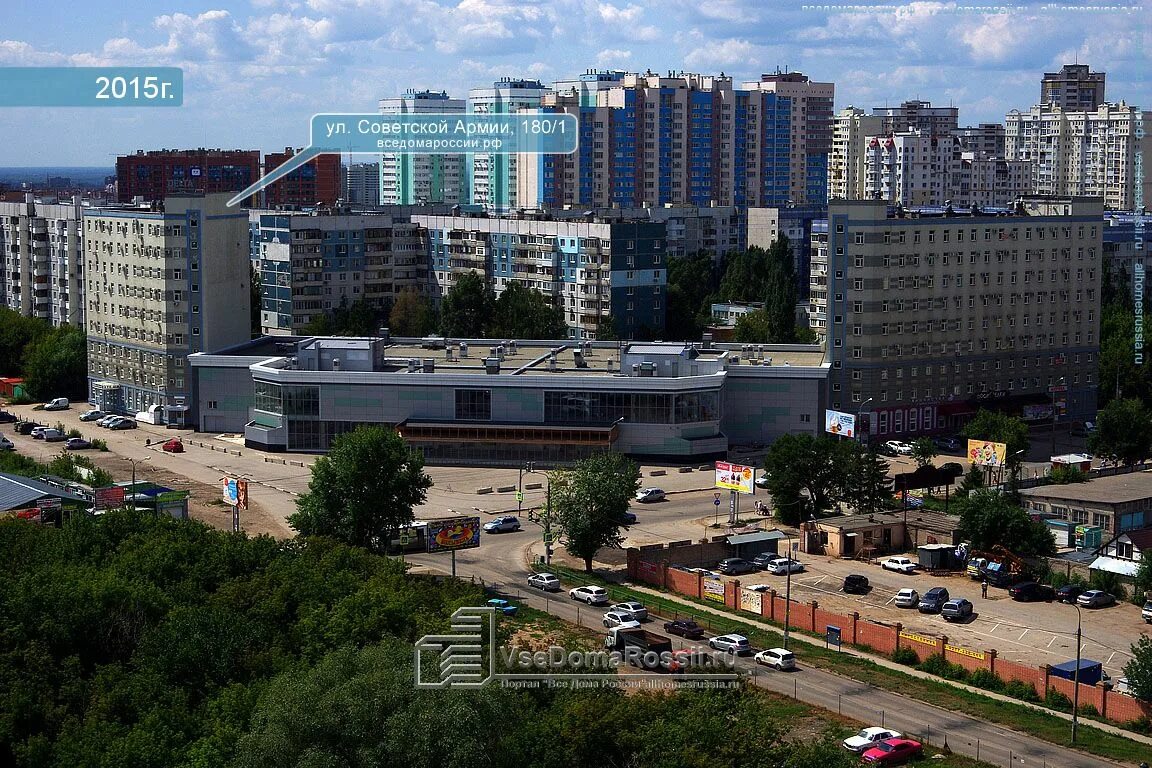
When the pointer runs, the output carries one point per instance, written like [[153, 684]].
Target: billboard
[[841, 424], [734, 477], [985, 453], [109, 497], [235, 491], [452, 534], [714, 590]]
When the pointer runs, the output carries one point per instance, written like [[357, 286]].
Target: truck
[[640, 647], [1091, 672]]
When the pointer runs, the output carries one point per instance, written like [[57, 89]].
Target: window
[[473, 405]]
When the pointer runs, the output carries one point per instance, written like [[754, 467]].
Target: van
[[57, 404], [52, 435]]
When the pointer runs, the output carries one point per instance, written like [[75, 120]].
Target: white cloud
[[722, 53], [613, 15], [612, 57], [995, 38]]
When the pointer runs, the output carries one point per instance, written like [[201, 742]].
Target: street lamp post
[[133, 461], [545, 520], [788, 594], [1076, 677]]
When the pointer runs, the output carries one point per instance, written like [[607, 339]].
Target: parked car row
[[766, 561]]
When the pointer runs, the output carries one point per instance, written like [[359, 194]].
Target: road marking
[[1051, 641], [994, 628], [1110, 657], [1022, 635]]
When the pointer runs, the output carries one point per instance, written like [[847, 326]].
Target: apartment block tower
[[311, 262], [593, 270], [650, 140], [362, 183], [161, 282], [1098, 153], [156, 174], [929, 317], [916, 115], [1074, 88], [416, 179], [851, 130], [43, 271], [491, 179], [811, 132]]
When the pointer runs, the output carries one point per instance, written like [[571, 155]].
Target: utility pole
[[1076, 678], [1059, 387]]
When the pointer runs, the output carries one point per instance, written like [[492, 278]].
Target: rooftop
[[917, 518], [1114, 489], [18, 492]]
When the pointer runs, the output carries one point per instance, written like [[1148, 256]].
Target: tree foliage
[[256, 299], [412, 315], [56, 364], [923, 451], [1000, 428], [1120, 375], [358, 318], [1123, 431], [804, 476], [864, 483], [1139, 669], [988, 518], [590, 499], [17, 333], [525, 313], [692, 281], [466, 311], [364, 490]]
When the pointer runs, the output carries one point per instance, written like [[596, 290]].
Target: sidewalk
[[886, 662]]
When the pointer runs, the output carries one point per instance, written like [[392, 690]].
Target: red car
[[893, 751], [173, 446]]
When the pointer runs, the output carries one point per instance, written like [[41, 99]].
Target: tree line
[[52, 361]]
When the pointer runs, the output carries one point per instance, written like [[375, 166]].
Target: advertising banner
[[235, 491], [985, 453], [714, 590], [751, 600], [734, 477], [456, 533], [110, 497], [841, 424]]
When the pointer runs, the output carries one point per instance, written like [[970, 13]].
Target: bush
[[1110, 583], [1139, 725], [99, 444], [937, 665], [986, 679], [74, 433], [1089, 710], [1020, 690], [905, 656], [1065, 475], [1057, 700]]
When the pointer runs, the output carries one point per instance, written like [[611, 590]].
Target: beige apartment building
[[847, 165], [42, 273], [927, 318], [162, 281]]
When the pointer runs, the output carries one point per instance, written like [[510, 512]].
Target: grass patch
[[1015, 716]]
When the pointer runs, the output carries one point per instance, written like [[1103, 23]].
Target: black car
[[855, 584], [1029, 591], [6, 418], [933, 600], [1068, 593], [947, 444], [761, 561], [25, 427], [734, 566], [685, 628], [954, 467]]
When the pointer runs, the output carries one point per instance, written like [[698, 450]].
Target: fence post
[[899, 629], [991, 656], [853, 618]]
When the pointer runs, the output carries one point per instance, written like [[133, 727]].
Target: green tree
[[1000, 428], [1142, 582], [752, 328], [412, 315], [923, 451], [358, 318], [691, 282], [796, 465], [780, 294], [988, 518], [971, 481], [590, 499], [606, 329], [56, 364], [364, 490], [1123, 431], [864, 480], [525, 313], [467, 309], [1139, 669], [17, 333]]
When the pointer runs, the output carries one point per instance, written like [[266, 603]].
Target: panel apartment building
[[43, 271], [413, 179], [649, 140], [592, 270], [927, 318], [161, 282], [309, 262]]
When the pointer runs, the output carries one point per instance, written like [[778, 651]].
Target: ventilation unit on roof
[[413, 364], [429, 365], [492, 365]]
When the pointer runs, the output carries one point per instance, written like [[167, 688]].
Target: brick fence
[[865, 634]]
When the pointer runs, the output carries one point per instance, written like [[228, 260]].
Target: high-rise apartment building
[[1074, 88], [362, 183], [161, 282], [927, 318], [811, 132], [1099, 153], [986, 139], [593, 270], [416, 179], [651, 140], [317, 182], [311, 262], [43, 271], [851, 130], [491, 179], [915, 115], [156, 174]]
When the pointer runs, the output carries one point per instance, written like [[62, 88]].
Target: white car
[[899, 447], [505, 524], [57, 404], [868, 737], [545, 581], [778, 658], [737, 644], [93, 415], [590, 595], [620, 619], [635, 610], [650, 494], [907, 598], [900, 565], [783, 565]]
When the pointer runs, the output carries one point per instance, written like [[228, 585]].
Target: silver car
[[635, 610], [737, 644]]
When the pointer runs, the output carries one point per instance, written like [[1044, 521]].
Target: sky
[[254, 72]]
